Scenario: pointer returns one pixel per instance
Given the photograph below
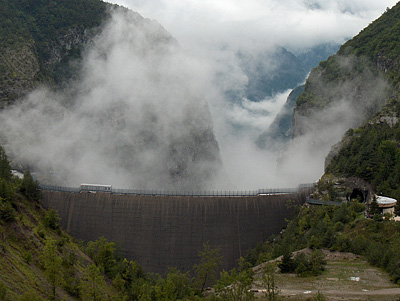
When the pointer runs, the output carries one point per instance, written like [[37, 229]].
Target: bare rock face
[[331, 188], [20, 66]]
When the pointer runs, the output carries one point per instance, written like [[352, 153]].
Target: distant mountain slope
[[280, 131], [365, 60], [358, 87], [271, 72]]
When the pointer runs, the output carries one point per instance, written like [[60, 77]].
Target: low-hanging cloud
[[137, 117], [349, 103]]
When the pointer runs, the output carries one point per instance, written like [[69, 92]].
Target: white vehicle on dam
[[95, 188]]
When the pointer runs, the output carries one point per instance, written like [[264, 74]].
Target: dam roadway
[[168, 231]]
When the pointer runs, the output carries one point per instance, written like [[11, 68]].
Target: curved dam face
[[169, 231]]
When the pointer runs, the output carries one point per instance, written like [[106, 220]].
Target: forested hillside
[[39, 39], [372, 152], [373, 52], [359, 87]]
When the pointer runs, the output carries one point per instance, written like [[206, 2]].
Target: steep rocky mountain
[[276, 70], [97, 96], [358, 88], [280, 131], [271, 72]]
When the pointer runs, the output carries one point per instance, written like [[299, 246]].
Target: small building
[[385, 204]]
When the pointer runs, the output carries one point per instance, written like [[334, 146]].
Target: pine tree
[[5, 169], [210, 259], [52, 266]]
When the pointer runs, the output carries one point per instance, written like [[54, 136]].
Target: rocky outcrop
[[20, 67], [331, 188]]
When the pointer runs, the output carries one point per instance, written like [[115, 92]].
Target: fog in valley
[[181, 105]]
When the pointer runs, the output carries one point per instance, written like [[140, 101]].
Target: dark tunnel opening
[[358, 195]]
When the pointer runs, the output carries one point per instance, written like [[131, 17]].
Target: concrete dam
[[168, 231]]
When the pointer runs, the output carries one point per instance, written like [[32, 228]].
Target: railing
[[322, 202], [225, 193]]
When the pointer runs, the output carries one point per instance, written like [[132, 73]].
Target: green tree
[[5, 169], [7, 191], [7, 212], [302, 265], [52, 266], [130, 278], [235, 285], [268, 280], [3, 291], [51, 219], [373, 208], [175, 286], [103, 254], [287, 264], [317, 262], [29, 187], [210, 260], [92, 284]]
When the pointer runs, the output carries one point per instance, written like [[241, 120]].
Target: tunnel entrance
[[358, 195]]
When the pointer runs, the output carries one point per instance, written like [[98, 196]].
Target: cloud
[[136, 118], [291, 23], [139, 116]]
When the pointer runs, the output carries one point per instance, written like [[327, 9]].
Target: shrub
[[3, 291], [51, 219], [27, 257], [287, 264], [30, 188], [7, 212]]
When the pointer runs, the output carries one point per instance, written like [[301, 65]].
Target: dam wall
[[169, 231]]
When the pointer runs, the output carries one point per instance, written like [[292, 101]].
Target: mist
[[149, 111], [136, 117]]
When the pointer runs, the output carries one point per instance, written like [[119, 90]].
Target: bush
[[7, 212], [27, 257], [5, 169], [30, 188], [51, 219], [3, 291], [287, 264]]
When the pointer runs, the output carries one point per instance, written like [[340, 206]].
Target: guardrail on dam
[[164, 231]]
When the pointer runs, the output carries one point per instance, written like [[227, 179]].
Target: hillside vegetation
[[372, 152], [38, 40], [38, 260], [375, 49], [363, 79], [338, 228]]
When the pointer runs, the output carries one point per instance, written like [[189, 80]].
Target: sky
[[294, 24]]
